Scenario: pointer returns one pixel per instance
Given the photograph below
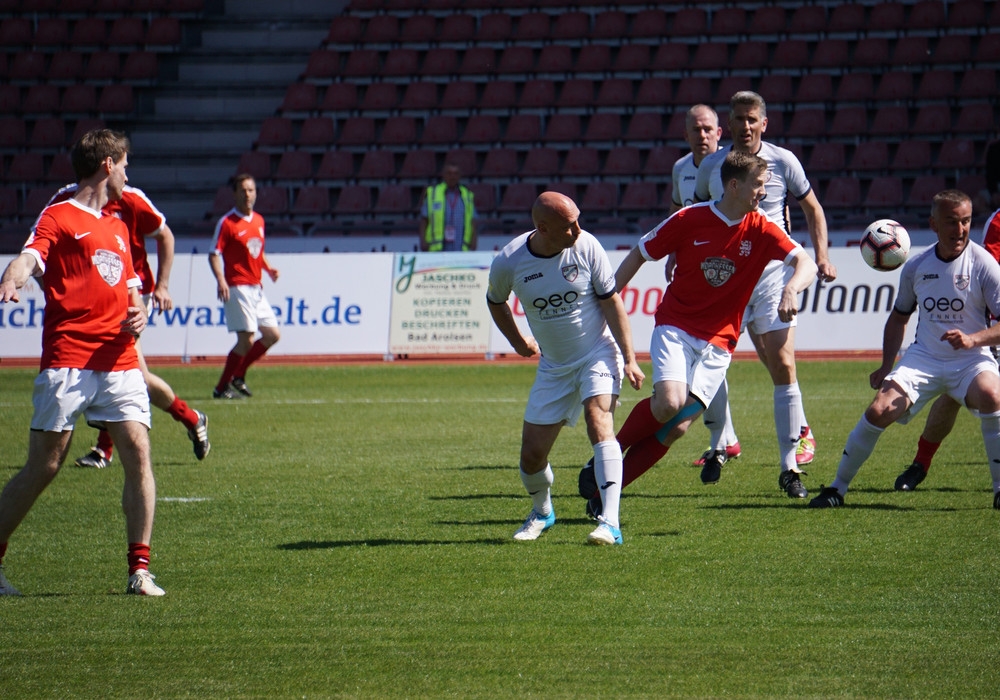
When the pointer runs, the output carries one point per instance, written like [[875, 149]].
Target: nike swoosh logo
[[701, 242], [242, 233], [78, 236]]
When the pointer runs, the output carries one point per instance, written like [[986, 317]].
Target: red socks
[[183, 413], [639, 425], [641, 457], [256, 352], [233, 361], [105, 444], [138, 557], [925, 453]]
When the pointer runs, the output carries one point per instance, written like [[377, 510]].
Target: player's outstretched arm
[[805, 273], [629, 266], [504, 320], [621, 329], [17, 274], [222, 288], [164, 264], [816, 224]]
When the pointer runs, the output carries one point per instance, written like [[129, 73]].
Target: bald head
[[556, 222]]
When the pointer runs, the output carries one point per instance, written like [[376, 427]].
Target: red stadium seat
[[871, 51], [932, 119], [912, 155], [27, 66], [577, 92], [465, 159], [294, 165], [339, 97], [555, 58], [610, 24], [65, 66], [257, 163], [936, 84], [894, 86], [140, 66], [953, 49], [600, 196], [116, 98], [499, 95], [484, 197], [353, 199], [594, 58], [394, 199], [299, 97], [345, 29], [419, 164], [570, 25], [927, 14], [336, 165], [399, 130], [640, 196], [420, 95], [632, 58], [494, 27], [377, 165], [654, 92], [827, 156], [440, 61], [80, 98], [891, 120], [848, 17], [563, 128], [541, 162], [16, 32], [380, 97], [518, 197], [41, 98], [516, 59], [660, 160], [690, 21], [381, 29], [713, 56], [457, 28], [923, 190], [478, 60], [623, 161], [603, 126], [967, 13], [870, 155], [401, 62], [830, 53], [311, 200], [499, 163], [126, 31], [419, 29], [957, 153], [791, 53], [729, 21], [459, 95], [481, 128], [581, 161], [361, 63], [814, 87], [693, 90], [164, 32], [323, 63], [885, 191], [768, 20], [855, 87], [354, 131], [809, 123], [10, 98], [978, 82], [650, 23], [440, 129], [532, 26], [752, 53], [103, 65], [26, 167], [61, 169], [645, 126], [671, 56], [842, 192], [316, 132], [808, 19], [975, 117], [523, 128], [48, 132]]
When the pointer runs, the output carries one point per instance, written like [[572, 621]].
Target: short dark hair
[[748, 98], [94, 148], [953, 197], [739, 165], [241, 178]]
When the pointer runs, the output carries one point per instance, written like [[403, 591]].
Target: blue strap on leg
[[686, 412]]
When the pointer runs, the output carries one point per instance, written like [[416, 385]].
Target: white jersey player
[[954, 287], [565, 283]]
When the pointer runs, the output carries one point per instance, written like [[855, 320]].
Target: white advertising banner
[[373, 303], [439, 304]]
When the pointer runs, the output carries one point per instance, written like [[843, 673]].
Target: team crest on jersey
[[255, 245], [570, 272], [109, 266], [717, 271], [962, 282]]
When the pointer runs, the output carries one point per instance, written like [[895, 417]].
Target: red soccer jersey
[[86, 273], [142, 219], [718, 265], [991, 235], [240, 241]]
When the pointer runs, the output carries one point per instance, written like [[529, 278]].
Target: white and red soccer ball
[[885, 245]]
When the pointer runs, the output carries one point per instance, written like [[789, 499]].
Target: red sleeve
[[991, 239]]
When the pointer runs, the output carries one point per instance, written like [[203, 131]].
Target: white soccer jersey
[[785, 176], [957, 294], [559, 294], [685, 175]]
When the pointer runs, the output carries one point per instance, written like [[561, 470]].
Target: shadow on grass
[[380, 542]]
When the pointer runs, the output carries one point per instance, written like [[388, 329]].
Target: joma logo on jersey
[[570, 272], [717, 271], [533, 277]]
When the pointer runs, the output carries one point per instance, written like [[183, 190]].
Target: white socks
[[859, 447], [788, 423], [608, 472], [539, 487]]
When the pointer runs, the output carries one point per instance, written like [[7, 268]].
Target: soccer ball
[[885, 245]]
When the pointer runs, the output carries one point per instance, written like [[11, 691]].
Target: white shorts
[[923, 377], [147, 301], [248, 309], [62, 394], [680, 357], [761, 314], [559, 390]]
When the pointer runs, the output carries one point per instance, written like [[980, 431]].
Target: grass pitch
[[350, 536]]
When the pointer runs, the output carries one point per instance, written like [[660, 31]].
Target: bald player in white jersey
[[566, 286], [773, 338], [953, 286]]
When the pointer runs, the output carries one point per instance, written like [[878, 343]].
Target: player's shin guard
[[787, 417], [860, 445], [539, 487], [608, 472]]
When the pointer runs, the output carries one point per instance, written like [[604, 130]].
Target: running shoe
[[732, 452], [94, 459], [805, 451], [711, 471], [240, 385], [605, 534], [911, 477], [828, 497], [534, 525], [141, 583], [792, 485], [199, 436]]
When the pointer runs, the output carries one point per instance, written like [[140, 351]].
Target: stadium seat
[[886, 17], [516, 59], [895, 86], [927, 14], [957, 153], [768, 20], [645, 127], [27, 66], [729, 21], [10, 98], [164, 32], [395, 199], [323, 63], [38, 197], [975, 117], [126, 31], [890, 120], [571, 25], [884, 191], [671, 56], [855, 87], [988, 48], [311, 200], [65, 66], [870, 155], [912, 155], [538, 93], [481, 129], [523, 128], [650, 23], [83, 125], [978, 82], [692, 90], [923, 189], [639, 196], [440, 61], [532, 26], [459, 95], [271, 200], [26, 167], [814, 87], [499, 95], [577, 92], [48, 133], [563, 128], [603, 127], [399, 130], [775, 87], [335, 165], [440, 129], [952, 49], [499, 163], [752, 53], [485, 198], [345, 29], [910, 51], [61, 169], [710, 56], [140, 66], [599, 196], [808, 19], [870, 51], [581, 161], [401, 62], [354, 131], [847, 17], [593, 58], [932, 119], [380, 98], [318, 132], [936, 84], [829, 53], [418, 29], [623, 161], [420, 96], [654, 92], [456, 28], [41, 98], [116, 99], [555, 59], [792, 54], [808, 123], [731, 84], [80, 98], [842, 192], [610, 24], [419, 164], [339, 97], [541, 162], [8, 208], [689, 21], [632, 58], [967, 13], [103, 66], [294, 165], [465, 159], [518, 197], [299, 97], [478, 60], [223, 200], [257, 163], [16, 32], [353, 199], [494, 27], [381, 29], [827, 157], [361, 63]]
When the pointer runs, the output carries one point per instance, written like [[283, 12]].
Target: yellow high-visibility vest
[[434, 234]]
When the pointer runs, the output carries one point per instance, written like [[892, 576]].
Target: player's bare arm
[[621, 330], [892, 341], [805, 273], [272, 272], [135, 318], [816, 224], [963, 341], [629, 266], [504, 320], [17, 274], [164, 238], [222, 288]]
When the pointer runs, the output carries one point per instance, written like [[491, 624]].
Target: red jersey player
[[238, 263], [89, 364], [143, 221], [720, 249]]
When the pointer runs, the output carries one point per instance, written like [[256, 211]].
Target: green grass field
[[350, 536]]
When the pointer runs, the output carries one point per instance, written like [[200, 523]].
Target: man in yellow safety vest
[[448, 214]]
